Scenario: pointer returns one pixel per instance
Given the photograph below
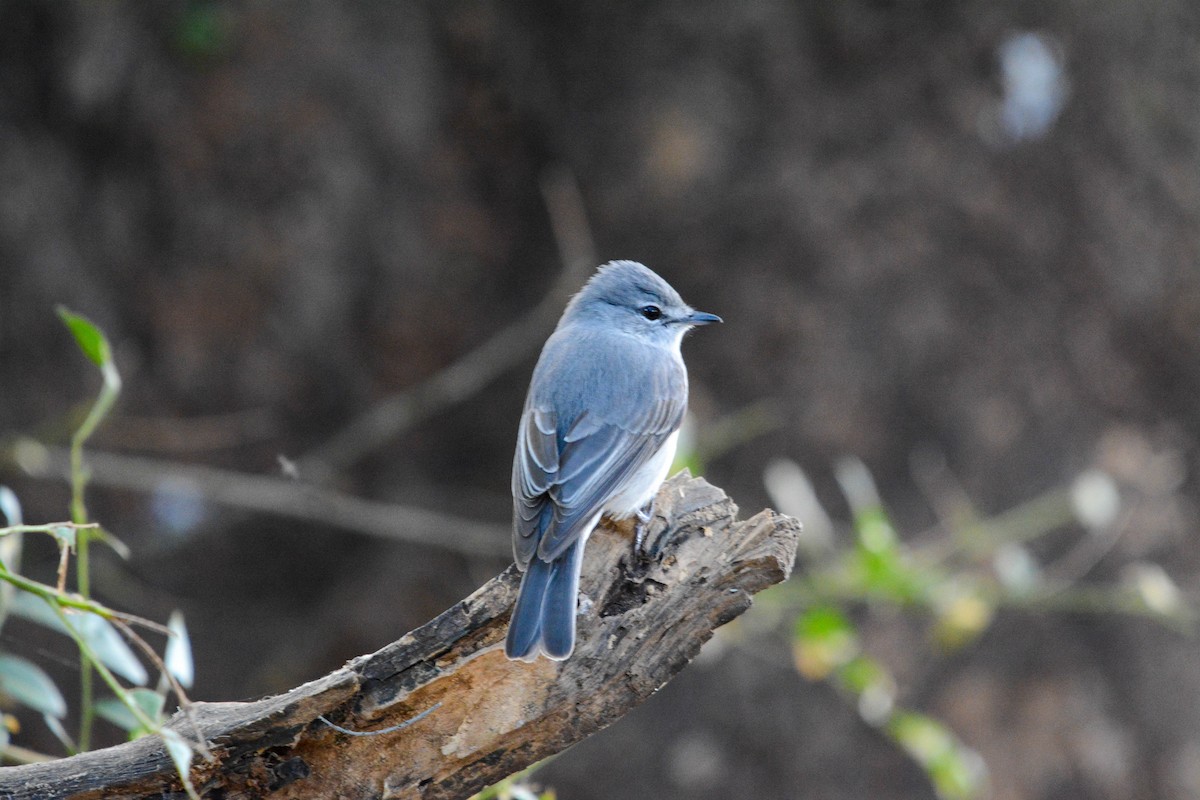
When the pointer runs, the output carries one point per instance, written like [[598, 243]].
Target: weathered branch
[[647, 619]]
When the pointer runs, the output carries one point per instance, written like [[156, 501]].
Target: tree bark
[[643, 618]]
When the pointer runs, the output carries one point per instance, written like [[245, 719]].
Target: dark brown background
[[282, 213]]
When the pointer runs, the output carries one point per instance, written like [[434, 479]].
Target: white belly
[[642, 485]]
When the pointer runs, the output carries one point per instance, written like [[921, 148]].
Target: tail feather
[[558, 613], [525, 627], [543, 618]]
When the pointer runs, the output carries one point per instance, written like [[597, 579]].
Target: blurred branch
[[743, 425], [648, 621], [189, 434], [468, 375], [1100, 600], [832, 584], [282, 497], [23, 755]]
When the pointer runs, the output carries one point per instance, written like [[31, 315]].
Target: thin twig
[[66, 599], [465, 377], [830, 586], [23, 755], [1088, 551], [568, 220], [185, 703], [87, 653], [1089, 599], [134, 619], [109, 391], [287, 498], [64, 559], [49, 527], [106, 675], [957, 517]]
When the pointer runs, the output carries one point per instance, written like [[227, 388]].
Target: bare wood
[[647, 619]]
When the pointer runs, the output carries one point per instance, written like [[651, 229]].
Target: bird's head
[[628, 296]]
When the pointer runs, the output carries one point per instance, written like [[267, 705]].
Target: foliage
[[517, 786], [104, 637], [960, 579]]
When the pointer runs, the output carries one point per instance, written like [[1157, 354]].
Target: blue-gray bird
[[597, 436]]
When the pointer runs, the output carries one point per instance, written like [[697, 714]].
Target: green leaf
[[150, 702], [861, 673], [822, 622], [963, 613], [10, 546], [109, 646], [66, 536], [874, 686], [181, 753], [825, 640], [880, 566], [34, 608], [27, 684], [97, 631], [115, 711], [178, 655], [923, 737], [890, 575], [114, 544], [957, 772], [60, 733], [10, 506], [90, 339], [874, 529]]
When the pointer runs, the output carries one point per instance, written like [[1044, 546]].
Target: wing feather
[[580, 440]]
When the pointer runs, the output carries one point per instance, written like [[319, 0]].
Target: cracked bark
[[644, 620]]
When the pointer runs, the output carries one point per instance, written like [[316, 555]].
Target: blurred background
[[954, 241]]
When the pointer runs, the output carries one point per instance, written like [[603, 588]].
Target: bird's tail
[[543, 618]]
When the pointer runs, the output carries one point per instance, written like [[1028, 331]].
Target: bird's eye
[[651, 312]]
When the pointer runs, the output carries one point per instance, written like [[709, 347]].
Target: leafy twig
[[185, 703], [64, 599], [119, 691], [95, 346], [50, 527]]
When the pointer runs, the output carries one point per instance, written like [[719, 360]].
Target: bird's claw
[[644, 516]]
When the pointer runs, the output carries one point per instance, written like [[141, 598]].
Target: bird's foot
[[645, 552], [644, 515]]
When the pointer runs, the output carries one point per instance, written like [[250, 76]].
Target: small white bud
[[1095, 499]]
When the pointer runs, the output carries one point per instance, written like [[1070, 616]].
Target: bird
[[597, 436]]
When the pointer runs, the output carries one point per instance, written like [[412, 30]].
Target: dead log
[[647, 618]]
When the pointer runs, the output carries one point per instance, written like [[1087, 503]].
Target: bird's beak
[[702, 318]]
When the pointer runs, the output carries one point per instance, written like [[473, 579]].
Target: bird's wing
[[561, 481], [535, 467]]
